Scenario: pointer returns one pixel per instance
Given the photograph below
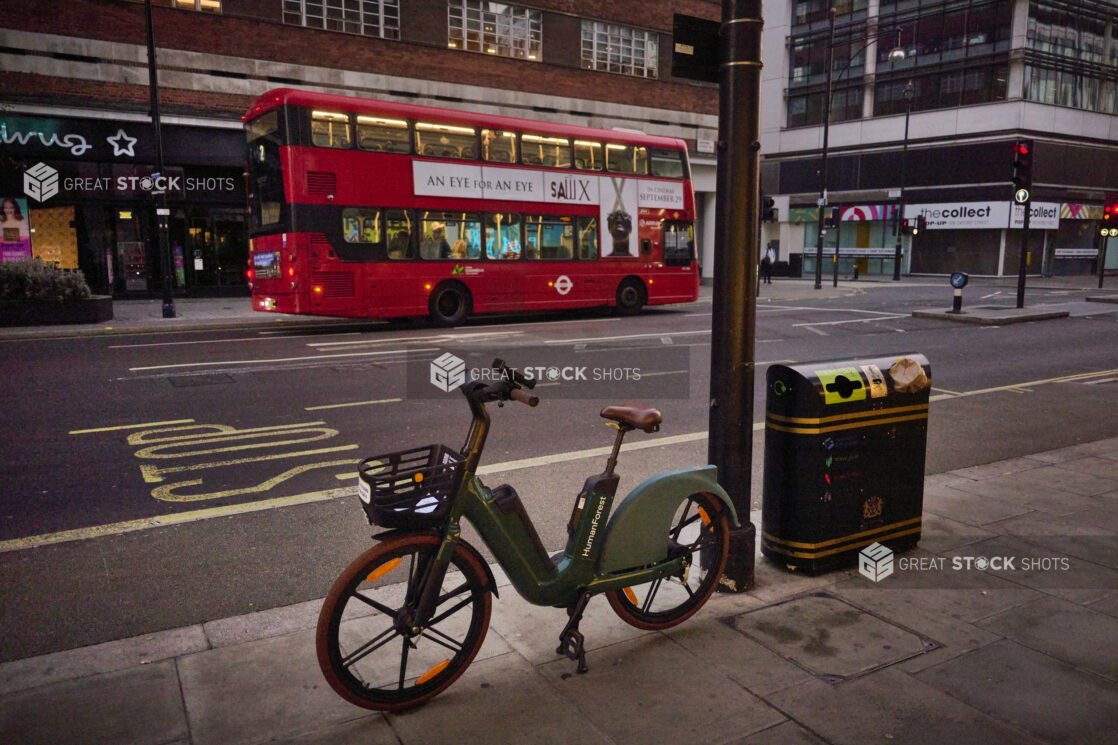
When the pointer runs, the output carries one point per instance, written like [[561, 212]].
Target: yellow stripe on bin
[[845, 538], [890, 411], [840, 427]]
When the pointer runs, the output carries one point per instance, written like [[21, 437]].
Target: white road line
[[653, 335], [814, 330], [444, 338], [276, 360], [850, 320]]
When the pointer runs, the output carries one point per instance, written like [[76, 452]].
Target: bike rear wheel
[[700, 534], [368, 647]]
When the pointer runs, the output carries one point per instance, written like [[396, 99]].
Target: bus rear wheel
[[449, 304], [630, 297]]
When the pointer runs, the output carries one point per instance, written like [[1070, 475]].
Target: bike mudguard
[[490, 579], [637, 531]]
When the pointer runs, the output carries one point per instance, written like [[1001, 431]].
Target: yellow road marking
[[128, 426], [355, 403]]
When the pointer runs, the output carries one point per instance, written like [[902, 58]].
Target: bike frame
[[606, 550]]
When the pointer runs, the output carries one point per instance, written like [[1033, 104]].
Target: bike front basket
[[411, 489]]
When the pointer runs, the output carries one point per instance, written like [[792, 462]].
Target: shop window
[[498, 146], [609, 47], [381, 135], [445, 141], [495, 28], [588, 155], [330, 129], [205, 6], [379, 18], [540, 150]]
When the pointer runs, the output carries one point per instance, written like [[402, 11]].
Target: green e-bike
[[407, 617]]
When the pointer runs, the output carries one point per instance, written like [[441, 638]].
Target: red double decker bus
[[370, 209]]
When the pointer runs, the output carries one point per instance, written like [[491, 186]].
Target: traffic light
[[832, 220], [1109, 216], [921, 224], [768, 209], [908, 226], [1023, 164]]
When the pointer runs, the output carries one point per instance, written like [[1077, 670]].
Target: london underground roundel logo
[[563, 284]]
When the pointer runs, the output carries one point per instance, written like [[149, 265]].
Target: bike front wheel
[[700, 535], [370, 649]]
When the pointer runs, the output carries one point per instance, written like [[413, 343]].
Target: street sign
[[1021, 196]]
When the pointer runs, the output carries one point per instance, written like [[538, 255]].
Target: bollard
[[958, 281]]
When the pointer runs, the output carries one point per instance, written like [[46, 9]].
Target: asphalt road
[[237, 449]]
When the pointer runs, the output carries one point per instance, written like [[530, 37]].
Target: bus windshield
[[265, 187]]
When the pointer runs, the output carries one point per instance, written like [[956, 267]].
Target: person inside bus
[[398, 246], [458, 250], [435, 247], [511, 249]]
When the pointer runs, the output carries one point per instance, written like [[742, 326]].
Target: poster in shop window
[[15, 231]]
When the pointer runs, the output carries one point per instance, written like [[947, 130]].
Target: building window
[[205, 6], [495, 28], [621, 49], [380, 18]]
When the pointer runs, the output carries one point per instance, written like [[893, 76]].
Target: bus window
[[626, 159], [502, 235], [398, 229], [382, 135], [498, 146], [587, 238], [449, 235], [265, 178], [330, 129], [666, 163], [445, 140], [678, 240], [588, 155], [548, 237], [361, 225], [538, 150]]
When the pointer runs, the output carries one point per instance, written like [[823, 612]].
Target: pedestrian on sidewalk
[[767, 265]]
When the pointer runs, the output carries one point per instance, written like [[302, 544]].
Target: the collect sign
[[1042, 216], [961, 215]]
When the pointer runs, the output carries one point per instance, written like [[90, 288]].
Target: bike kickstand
[[571, 639]]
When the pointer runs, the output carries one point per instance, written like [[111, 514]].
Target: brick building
[[75, 97]]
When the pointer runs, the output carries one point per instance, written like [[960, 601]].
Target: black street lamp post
[[908, 96]]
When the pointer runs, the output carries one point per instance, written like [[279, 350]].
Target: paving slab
[[1017, 487], [1048, 698], [367, 730], [652, 690], [892, 707], [1066, 631], [968, 507], [82, 662], [503, 700], [789, 733], [139, 706], [830, 637], [258, 691], [1091, 535]]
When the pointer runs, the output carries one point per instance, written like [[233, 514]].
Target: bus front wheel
[[449, 304], [630, 297]]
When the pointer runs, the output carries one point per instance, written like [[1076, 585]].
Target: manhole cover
[[831, 638]]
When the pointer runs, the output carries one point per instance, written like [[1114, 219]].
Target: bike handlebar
[[525, 398]]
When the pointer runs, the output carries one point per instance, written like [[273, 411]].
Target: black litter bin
[[844, 458]]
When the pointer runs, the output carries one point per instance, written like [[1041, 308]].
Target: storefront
[[978, 237], [86, 190]]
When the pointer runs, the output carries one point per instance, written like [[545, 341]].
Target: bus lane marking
[[353, 403], [167, 493], [275, 360], [127, 426]]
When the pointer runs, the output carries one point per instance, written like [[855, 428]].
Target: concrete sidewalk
[[1015, 649]]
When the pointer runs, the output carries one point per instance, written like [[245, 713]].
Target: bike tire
[[365, 650], [701, 532]]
